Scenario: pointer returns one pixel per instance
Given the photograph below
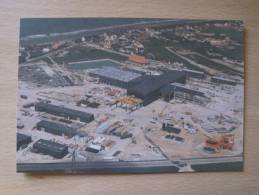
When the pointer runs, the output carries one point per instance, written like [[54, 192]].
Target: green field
[[155, 49], [79, 53], [92, 64]]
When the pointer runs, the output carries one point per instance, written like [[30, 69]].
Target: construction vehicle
[[227, 142], [161, 114], [215, 145]]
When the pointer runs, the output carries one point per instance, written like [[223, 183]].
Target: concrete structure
[[51, 148], [117, 77], [170, 91], [56, 128], [64, 112]]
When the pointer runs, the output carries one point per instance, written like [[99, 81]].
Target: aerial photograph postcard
[[130, 95]]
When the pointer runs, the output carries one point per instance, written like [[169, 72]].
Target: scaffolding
[[129, 102]]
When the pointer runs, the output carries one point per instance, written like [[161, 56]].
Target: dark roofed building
[[64, 112], [22, 140], [149, 88], [168, 91], [134, 70], [56, 128], [221, 80], [51, 148], [170, 128]]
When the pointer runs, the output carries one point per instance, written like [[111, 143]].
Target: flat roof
[[57, 126], [64, 110], [50, 145], [116, 73], [21, 137], [153, 83]]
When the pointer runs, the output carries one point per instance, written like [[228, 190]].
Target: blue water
[[35, 26]]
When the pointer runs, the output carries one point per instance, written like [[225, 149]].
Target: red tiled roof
[[138, 59]]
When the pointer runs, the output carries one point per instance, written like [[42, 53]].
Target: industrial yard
[[157, 96]]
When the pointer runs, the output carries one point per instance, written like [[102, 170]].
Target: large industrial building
[[117, 77], [51, 148], [22, 140], [176, 89], [221, 80], [56, 128], [149, 89], [64, 112]]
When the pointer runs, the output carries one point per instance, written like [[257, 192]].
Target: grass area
[[80, 53], [212, 64], [155, 49], [235, 53], [230, 32], [92, 64]]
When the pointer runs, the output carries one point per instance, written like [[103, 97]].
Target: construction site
[[131, 110]]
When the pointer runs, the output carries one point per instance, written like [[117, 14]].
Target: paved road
[[210, 160], [122, 166], [127, 167]]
